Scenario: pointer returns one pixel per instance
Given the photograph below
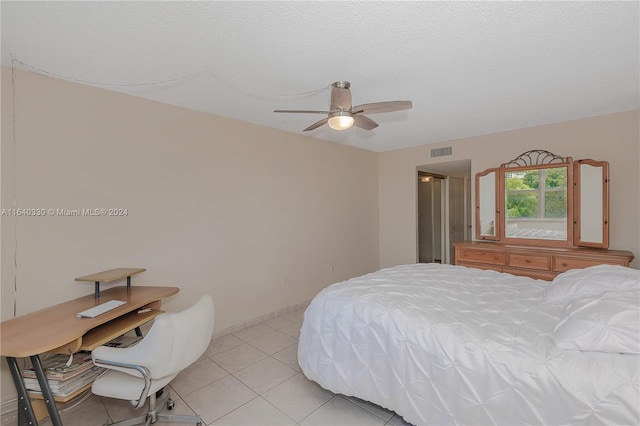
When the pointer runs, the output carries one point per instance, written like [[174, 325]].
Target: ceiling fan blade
[[340, 99], [378, 107], [299, 111], [364, 122], [317, 124]]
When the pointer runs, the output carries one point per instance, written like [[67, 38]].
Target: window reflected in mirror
[[536, 203]]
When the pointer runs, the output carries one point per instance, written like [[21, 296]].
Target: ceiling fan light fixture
[[341, 120], [342, 114]]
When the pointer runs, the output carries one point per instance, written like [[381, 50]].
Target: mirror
[[535, 203], [486, 205], [536, 194], [540, 198], [591, 213]]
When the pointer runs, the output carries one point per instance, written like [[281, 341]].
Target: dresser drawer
[[561, 264], [536, 262], [540, 262], [486, 266], [482, 256]]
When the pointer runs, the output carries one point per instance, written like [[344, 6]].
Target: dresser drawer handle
[[564, 264], [496, 257], [527, 261]]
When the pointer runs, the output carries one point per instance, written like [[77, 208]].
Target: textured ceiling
[[470, 68]]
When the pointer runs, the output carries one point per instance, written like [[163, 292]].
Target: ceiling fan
[[342, 115]]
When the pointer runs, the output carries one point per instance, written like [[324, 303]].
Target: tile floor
[[250, 377]]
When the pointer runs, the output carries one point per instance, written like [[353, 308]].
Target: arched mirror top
[[536, 157]]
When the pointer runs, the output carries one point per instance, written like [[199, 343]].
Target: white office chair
[[174, 342]]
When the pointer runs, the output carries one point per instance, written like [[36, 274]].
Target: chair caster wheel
[[170, 404]]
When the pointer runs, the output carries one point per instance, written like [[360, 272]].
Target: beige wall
[[252, 215], [614, 138]]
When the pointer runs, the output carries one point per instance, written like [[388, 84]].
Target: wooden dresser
[[536, 262]]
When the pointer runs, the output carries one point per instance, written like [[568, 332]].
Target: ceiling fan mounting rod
[[341, 84]]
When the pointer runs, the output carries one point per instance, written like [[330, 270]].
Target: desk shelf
[[108, 331], [115, 328], [110, 276]]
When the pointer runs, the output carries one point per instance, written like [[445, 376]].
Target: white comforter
[[442, 344]]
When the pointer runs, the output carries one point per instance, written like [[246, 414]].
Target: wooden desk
[[57, 329]]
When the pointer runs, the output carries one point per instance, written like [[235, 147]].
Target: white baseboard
[[260, 319]]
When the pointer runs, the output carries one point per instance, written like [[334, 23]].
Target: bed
[[443, 344]]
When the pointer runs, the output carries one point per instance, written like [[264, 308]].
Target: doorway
[[430, 211], [444, 210]]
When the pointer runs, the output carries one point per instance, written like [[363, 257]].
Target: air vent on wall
[[441, 152]]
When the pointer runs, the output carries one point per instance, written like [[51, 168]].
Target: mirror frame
[[578, 219], [537, 159], [494, 207], [533, 161]]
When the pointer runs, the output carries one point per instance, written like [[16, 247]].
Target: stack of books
[[63, 379], [66, 376]]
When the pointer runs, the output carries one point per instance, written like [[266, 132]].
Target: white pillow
[[608, 322], [590, 282]]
